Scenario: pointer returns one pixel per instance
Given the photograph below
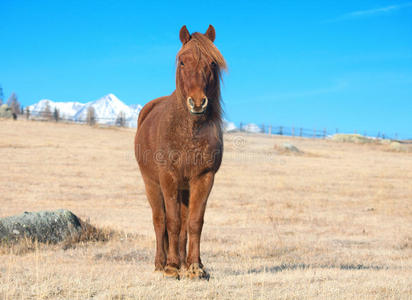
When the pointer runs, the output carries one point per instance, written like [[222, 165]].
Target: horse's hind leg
[[154, 195], [184, 204]]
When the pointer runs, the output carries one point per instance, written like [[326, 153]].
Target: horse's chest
[[195, 155]]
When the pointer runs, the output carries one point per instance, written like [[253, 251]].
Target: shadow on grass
[[132, 256], [291, 267]]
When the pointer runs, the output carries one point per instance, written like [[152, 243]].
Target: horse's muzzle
[[197, 109]]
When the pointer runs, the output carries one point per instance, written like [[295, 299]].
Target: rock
[[398, 147], [287, 148], [43, 226], [5, 111], [291, 148]]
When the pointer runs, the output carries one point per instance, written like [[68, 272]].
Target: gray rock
[[398, 147], [5, 111], [43, 226], [291, 148]]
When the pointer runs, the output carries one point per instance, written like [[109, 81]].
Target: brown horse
[[179, 148]]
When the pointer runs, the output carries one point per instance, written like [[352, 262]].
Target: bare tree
[[91, 116], [121, 119], [27, 112], [1, 95], [46, 113], [14, 104]]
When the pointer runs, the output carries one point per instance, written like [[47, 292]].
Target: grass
[[332, 224]]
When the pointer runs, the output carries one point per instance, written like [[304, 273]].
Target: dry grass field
[[332, 223]]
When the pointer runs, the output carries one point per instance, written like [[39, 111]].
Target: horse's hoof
[[183, 272], [196, 271], [171, 272]]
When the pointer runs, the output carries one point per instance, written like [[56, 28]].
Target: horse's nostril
[[204, 102], [191, 102]]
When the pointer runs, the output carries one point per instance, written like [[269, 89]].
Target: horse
[[179, 148]]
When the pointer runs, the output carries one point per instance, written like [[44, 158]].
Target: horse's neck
[[188, 125]]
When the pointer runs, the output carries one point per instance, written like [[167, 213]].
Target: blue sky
[[314, 64]]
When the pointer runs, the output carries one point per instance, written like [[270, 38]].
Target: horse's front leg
[[184, 210], [172, 204], [154, 195], [199, 192]]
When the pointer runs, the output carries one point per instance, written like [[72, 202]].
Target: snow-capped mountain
[[68, 109], [252, 128], [229, 126], [107, 109]]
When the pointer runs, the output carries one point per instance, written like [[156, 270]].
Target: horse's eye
[[181, 63], [213, 64]]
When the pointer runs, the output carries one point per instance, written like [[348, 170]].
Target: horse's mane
[[202, 48]]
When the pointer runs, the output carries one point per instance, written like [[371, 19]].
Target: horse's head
[[198, 74]]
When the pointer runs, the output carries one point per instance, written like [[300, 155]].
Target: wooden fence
[[313, 133], [264, 129]]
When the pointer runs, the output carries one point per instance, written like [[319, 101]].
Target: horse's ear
[[184, 35], [211, 33]]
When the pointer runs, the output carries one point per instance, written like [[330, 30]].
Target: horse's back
[[148, 108]]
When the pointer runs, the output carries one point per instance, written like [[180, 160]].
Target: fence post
[[300, 132], [270, 130], [280, 130], [314, 132], [56, 114], [324, 132], [240, 126], [293, 131], [337, 130]]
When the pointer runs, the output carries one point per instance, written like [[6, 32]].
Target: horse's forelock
[[202, 48]]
